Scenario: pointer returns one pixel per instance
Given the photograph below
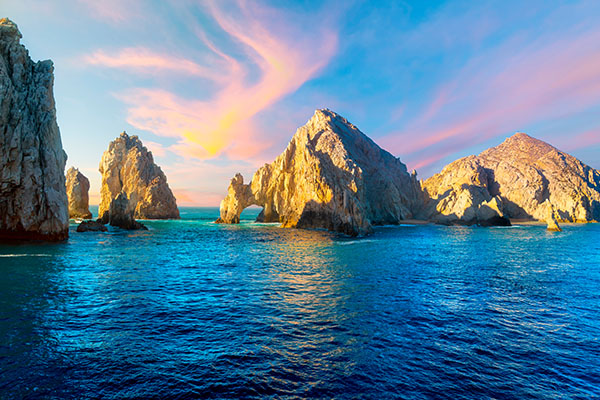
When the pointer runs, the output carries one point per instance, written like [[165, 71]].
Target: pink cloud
[[222, 124], [157, 149], [114, 11], [145, 60], [501, 92]]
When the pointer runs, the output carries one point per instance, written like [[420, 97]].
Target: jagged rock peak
[[78, 187], [127, 166], [520, 145], [33, 199], [330, 176], [527, 176]]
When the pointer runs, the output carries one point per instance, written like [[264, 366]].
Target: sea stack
[[524, 176], [78, 187], [120, 214], [33, 198], [330, 176], [128, 167]]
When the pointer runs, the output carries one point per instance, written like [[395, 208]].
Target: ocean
[[192, 309]]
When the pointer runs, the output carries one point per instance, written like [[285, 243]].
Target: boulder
[[91, 226]]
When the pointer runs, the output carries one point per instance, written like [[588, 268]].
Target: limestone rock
[[330, 176], [78, 187], [121, 214], [127, 166], [551, 218], [523, 173], [460, 195], [33, 199], [91, 226]]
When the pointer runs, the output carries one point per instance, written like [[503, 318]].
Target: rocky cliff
[[330, 176], [524, 177], [128, 167], [33, 200], [78, 187]]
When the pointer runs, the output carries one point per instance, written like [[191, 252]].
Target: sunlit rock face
[[78, 187], [524, 176], [330, 176], [33, 199], [128, 167]]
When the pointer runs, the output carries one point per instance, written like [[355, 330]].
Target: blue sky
[[219, 87]]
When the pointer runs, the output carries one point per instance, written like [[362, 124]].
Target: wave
[[25, 255], [358, 241]]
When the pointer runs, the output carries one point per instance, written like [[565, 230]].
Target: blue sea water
[[192, 309]]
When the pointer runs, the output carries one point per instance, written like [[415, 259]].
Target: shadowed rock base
[[91, 226], [29, 235], [120, 214]]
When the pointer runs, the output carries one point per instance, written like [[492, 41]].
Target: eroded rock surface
[[330, 176], [121, 214], [128, 167], [523, 175], [91, 226], [33, 199], [78, 187]]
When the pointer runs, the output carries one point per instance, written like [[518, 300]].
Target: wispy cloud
[[504, 89], [114, 11], [142, 60], [274, 65]]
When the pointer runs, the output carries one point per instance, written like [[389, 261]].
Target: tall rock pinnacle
[[78, 187], [33, 199], [128, 167]]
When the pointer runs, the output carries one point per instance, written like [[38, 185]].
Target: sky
[[213, 88]]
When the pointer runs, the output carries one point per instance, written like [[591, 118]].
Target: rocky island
[[33, 199], [133, 186], [78, 187], [330, 176], [522, 178]]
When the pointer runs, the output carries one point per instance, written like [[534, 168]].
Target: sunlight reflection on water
[[194, 309]]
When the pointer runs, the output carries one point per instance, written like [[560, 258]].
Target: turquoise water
[[191, 309]]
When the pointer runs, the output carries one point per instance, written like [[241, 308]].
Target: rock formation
[[91, 226], [520, 176], [33, 199], [78, 187], [121, 214], [128, 167], [551, 217], [330, 176], [460, 195]]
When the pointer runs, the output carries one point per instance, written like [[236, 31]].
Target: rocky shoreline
[[331, 175]]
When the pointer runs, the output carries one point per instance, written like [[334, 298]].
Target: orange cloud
[[222, 123]]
